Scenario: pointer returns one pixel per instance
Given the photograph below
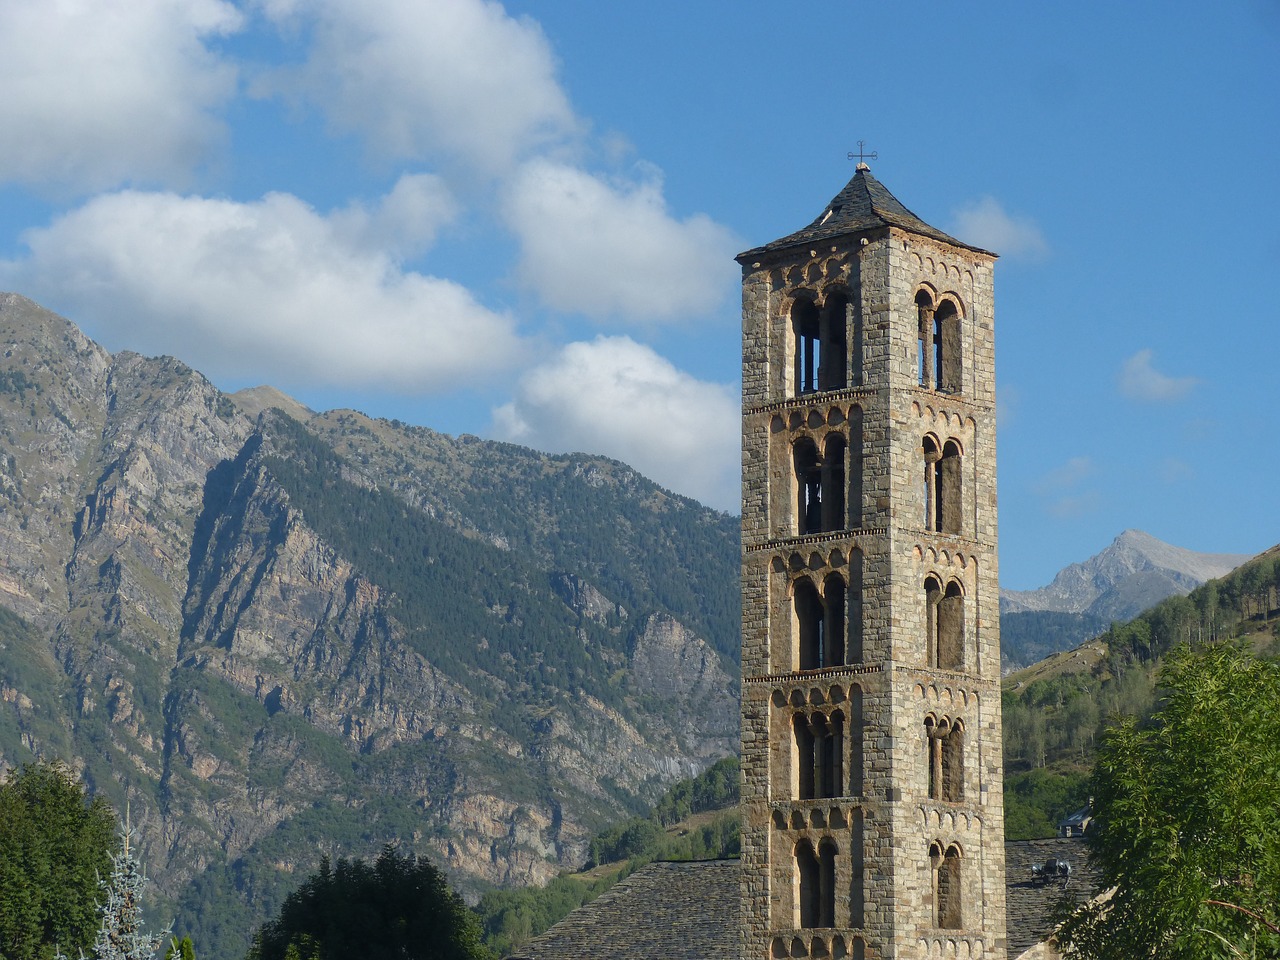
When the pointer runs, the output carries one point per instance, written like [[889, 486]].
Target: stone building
[[871, 754]]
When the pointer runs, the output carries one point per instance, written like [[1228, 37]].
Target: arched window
[[855, 742], [833, 330], [834, 595], [854, 610], [949, 489], [857, 888], [827, 883], [804, 757], [943, 487], [944, 757], [928, 342], [808, 469], [806, 327], [820, 621], [945, 866], [809, 623], [809, 880], [932, 454], [833, 483], [950, 620], [932, 595], [855, 507], [947, 333]]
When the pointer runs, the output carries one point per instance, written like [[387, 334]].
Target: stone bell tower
[[873, 820]]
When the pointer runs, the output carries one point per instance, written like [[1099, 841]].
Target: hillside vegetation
[[1053, 711]]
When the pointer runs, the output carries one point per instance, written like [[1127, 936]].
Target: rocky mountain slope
[[1134, 573], [279, 634]]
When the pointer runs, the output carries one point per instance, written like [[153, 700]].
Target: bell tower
[[871, 757]]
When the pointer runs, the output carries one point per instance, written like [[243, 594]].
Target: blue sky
[[519, 221]]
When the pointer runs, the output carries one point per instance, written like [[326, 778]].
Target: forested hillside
[[1053, 710]]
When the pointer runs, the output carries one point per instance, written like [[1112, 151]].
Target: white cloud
[[415, 79], [620, 398], [1139, 380], [1067, 476], [612, 250], [100, 92], [270, 289], [406, 220], [984, 223]]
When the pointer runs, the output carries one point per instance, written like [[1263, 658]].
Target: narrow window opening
[[834, 327], [932, 596], [855, 743], [950, 627], [854, 613], [948, 482], [932, 491], [947, 334], [808, 875], [808, 339], [808, 487], [804, 757], [925, 341], [946, 886], [952, 779], [827, 884], [833, 484], [855, 468], [834, 594], [809, 623]]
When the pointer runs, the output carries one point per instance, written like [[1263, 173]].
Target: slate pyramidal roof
[[864, 204]]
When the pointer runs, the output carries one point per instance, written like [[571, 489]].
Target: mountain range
[[277, 635], [1132, 574]]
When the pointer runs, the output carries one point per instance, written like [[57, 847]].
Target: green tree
[[182, 949], [120, 931], [395, 907], [55, 842], [1187, 809]]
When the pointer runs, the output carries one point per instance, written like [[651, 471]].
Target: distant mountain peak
[[1134, 572]]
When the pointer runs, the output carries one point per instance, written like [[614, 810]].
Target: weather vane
[[863, 156]]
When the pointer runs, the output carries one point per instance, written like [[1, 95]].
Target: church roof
[[676, 911], [690, 911], [864, 204]]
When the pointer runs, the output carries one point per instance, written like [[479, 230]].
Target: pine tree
[[120, 933]]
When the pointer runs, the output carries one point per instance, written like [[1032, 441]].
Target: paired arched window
[[944, 756], [943, 486], [944, 623], [816, 877], [938, 362], [944, 864], [820, 484], [822, 344], [820, 621], [819, 743]]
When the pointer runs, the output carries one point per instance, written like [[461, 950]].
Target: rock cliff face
[[277, 639]]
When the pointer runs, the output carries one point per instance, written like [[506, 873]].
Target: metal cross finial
[[863, 156]]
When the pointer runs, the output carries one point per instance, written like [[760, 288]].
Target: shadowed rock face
[[279, 640]]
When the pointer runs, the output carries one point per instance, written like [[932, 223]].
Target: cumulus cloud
[[984, 223], [458, 77], [100, 92], [612, 250], [619, 398], [1140, 380], [270, 289], [404, 222]]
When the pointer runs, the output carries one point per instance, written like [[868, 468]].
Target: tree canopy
[[395, 907], [55, 842], [1187, 810]]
